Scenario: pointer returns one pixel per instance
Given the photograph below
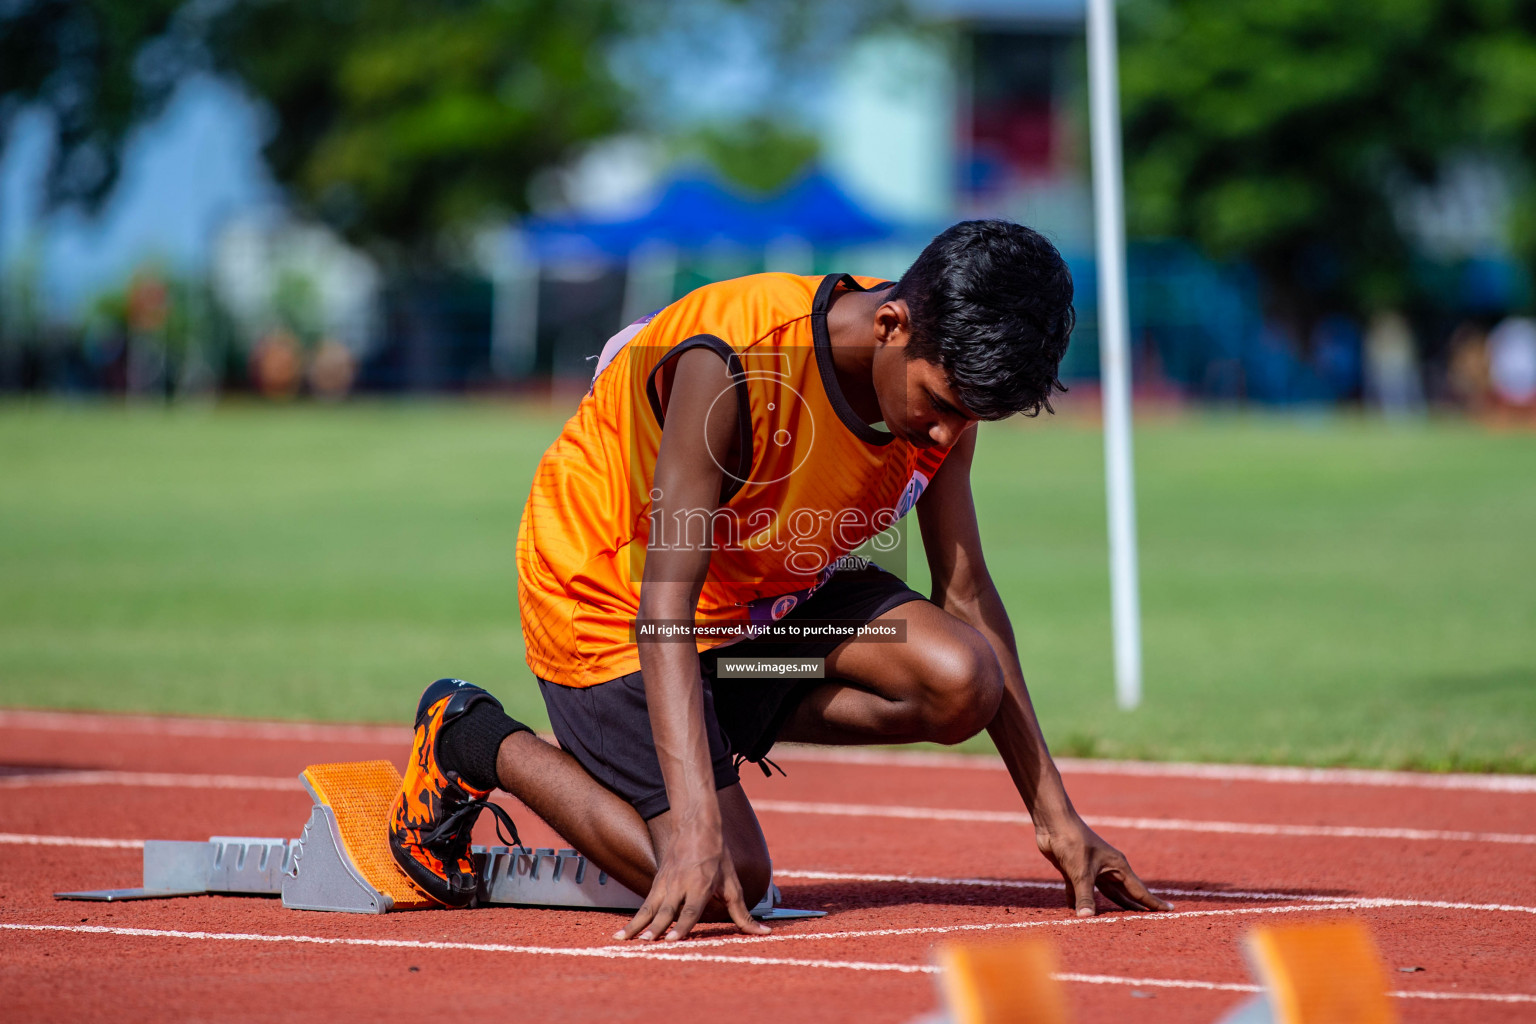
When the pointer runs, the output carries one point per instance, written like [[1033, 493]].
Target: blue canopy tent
[[689, 212], [818, 211], [693, 212]]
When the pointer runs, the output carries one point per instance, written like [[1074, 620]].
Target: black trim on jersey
[[734, 481], [852, 420]]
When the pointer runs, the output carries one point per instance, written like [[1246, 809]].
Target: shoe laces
[[452, 832]]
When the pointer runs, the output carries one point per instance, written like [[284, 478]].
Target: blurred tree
[[743, 84], [757, 152], [394, 119], [1273, 130], [94, 66], [1499, 58], [296, 304]]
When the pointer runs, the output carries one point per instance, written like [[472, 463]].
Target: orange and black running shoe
[[432, 818]]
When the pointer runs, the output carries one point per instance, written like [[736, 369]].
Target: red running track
[[901, 850]]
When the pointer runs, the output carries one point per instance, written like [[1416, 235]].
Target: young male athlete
[[734, 448]]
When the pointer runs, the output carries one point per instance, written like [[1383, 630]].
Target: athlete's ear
[[893, 324]]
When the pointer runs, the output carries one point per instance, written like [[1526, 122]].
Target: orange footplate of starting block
[[1002, 983], [360, 794], [1327, 973]]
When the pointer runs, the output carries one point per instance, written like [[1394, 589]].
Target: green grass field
[[1315, 590]]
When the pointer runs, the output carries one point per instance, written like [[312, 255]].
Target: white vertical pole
[[1114, 355]]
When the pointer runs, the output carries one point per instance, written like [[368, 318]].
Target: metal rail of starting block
[[234, 865], [318, 871]]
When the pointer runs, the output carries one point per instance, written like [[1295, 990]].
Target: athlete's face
[[915, 395], [933, 416]]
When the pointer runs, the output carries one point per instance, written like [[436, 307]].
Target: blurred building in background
[[198, 276]]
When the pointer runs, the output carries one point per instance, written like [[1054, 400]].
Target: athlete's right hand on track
[[695, 869], [1085, 860]]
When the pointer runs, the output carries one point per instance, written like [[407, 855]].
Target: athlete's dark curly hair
[[991, 303]]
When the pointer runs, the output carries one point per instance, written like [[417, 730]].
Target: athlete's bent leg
[[942, 685], [607, 830]]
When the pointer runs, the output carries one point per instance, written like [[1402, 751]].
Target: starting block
[[342, 862], [1328, 973], [1001, 983]]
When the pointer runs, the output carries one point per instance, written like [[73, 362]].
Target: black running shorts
[[607, 727]]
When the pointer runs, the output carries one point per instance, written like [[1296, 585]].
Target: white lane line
[[1283, 774], [161, 933], [1152, 824], [684, 956], [1293, 775], [1220, 894], [209, 728], [1227, 986], [1112, 979], [1061, 922], [1224, 986], [1487, 997], [598, 952], [1330, 831], [16, 839], [156, 780], [219, 728]]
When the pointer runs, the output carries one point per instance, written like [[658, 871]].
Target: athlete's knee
[[755, 876], [963, 686]]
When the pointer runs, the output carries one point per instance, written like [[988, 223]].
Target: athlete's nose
[[946, 432]]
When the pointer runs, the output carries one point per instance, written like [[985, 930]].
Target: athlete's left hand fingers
[[1080, 894], [1077, 871], [1074, 867], [687, 916], [640, 920], [1117, 895], [1087, 903], [1121, 884]]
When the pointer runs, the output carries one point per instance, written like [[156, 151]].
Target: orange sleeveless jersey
[[819, 481]]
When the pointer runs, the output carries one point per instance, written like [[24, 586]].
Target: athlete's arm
[[962, 587], [696, 437]]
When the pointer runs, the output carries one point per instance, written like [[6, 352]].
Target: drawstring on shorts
[[763, 762]]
